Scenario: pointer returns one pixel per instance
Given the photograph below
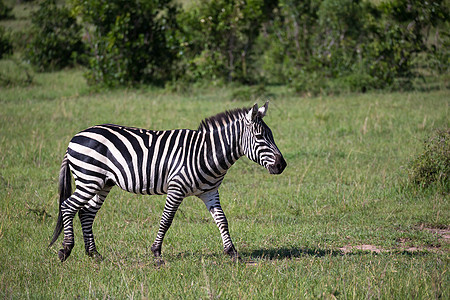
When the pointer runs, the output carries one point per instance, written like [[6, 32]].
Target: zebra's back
[[137, 160]]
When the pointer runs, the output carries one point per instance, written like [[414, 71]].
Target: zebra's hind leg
[[69, 208], [87, 216], [173, 201], [68, 242]]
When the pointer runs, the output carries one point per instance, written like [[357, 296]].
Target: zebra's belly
[[153, 185]]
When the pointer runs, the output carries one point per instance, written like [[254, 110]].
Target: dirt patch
[[443, 235], [375, 249], [371, 248], [403, 244]]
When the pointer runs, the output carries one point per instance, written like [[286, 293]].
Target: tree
[[130, 41]]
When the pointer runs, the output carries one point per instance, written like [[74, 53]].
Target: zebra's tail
[[65, 191]]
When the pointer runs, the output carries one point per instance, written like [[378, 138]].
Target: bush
[[5, 11], [287, 41], [131, 41], [433, 164], [316, 46], [218, 39], [351, 44], [6, 47], [56, 39]]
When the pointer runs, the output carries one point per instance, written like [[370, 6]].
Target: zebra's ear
[[263, 110], [252, 113]]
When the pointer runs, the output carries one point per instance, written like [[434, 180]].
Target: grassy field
[[340, 222]]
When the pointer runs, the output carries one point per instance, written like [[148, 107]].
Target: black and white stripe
[[178, 163]]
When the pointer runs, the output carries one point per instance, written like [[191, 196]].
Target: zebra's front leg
[[173, 201], [212, 203]]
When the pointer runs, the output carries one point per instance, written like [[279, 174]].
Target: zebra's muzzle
[[278, 166]]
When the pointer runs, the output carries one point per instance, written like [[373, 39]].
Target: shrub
[[433, 164], [218, 39], [56, 40], [289, 41], [5, 11], [408, 24], [131, 41], [312, 43], [6, 47], [351, 44]]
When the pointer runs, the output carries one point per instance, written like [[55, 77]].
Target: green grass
[[345, 185]]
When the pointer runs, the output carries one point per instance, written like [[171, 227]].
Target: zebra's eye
[[259, 136]]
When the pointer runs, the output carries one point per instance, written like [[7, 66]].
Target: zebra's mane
[[229, 116]]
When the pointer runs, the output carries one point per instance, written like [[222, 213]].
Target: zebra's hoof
[[63, 255], [159, 262], [95, 255], [156, 251], [231, 251]]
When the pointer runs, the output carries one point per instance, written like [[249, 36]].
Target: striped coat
[[178, 163]]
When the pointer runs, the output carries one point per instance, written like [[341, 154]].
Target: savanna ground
[[342, 221]]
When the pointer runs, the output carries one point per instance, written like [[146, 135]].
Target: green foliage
[[218, 39], [433, 164], [5, 11], [56, 40], [311, 43], [131, 41], [357, 45], [315, 46], [6, 46], [287, 41], [408, 26]]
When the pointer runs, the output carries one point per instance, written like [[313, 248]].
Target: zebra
[[178, 163]]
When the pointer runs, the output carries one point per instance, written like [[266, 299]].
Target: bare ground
[[442, 233]]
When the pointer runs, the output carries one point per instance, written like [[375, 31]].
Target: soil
[[403, 245], [442, 233]]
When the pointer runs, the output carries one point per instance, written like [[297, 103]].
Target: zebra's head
[[258, 144]]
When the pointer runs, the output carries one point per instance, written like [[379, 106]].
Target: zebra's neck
[[223, 145]]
